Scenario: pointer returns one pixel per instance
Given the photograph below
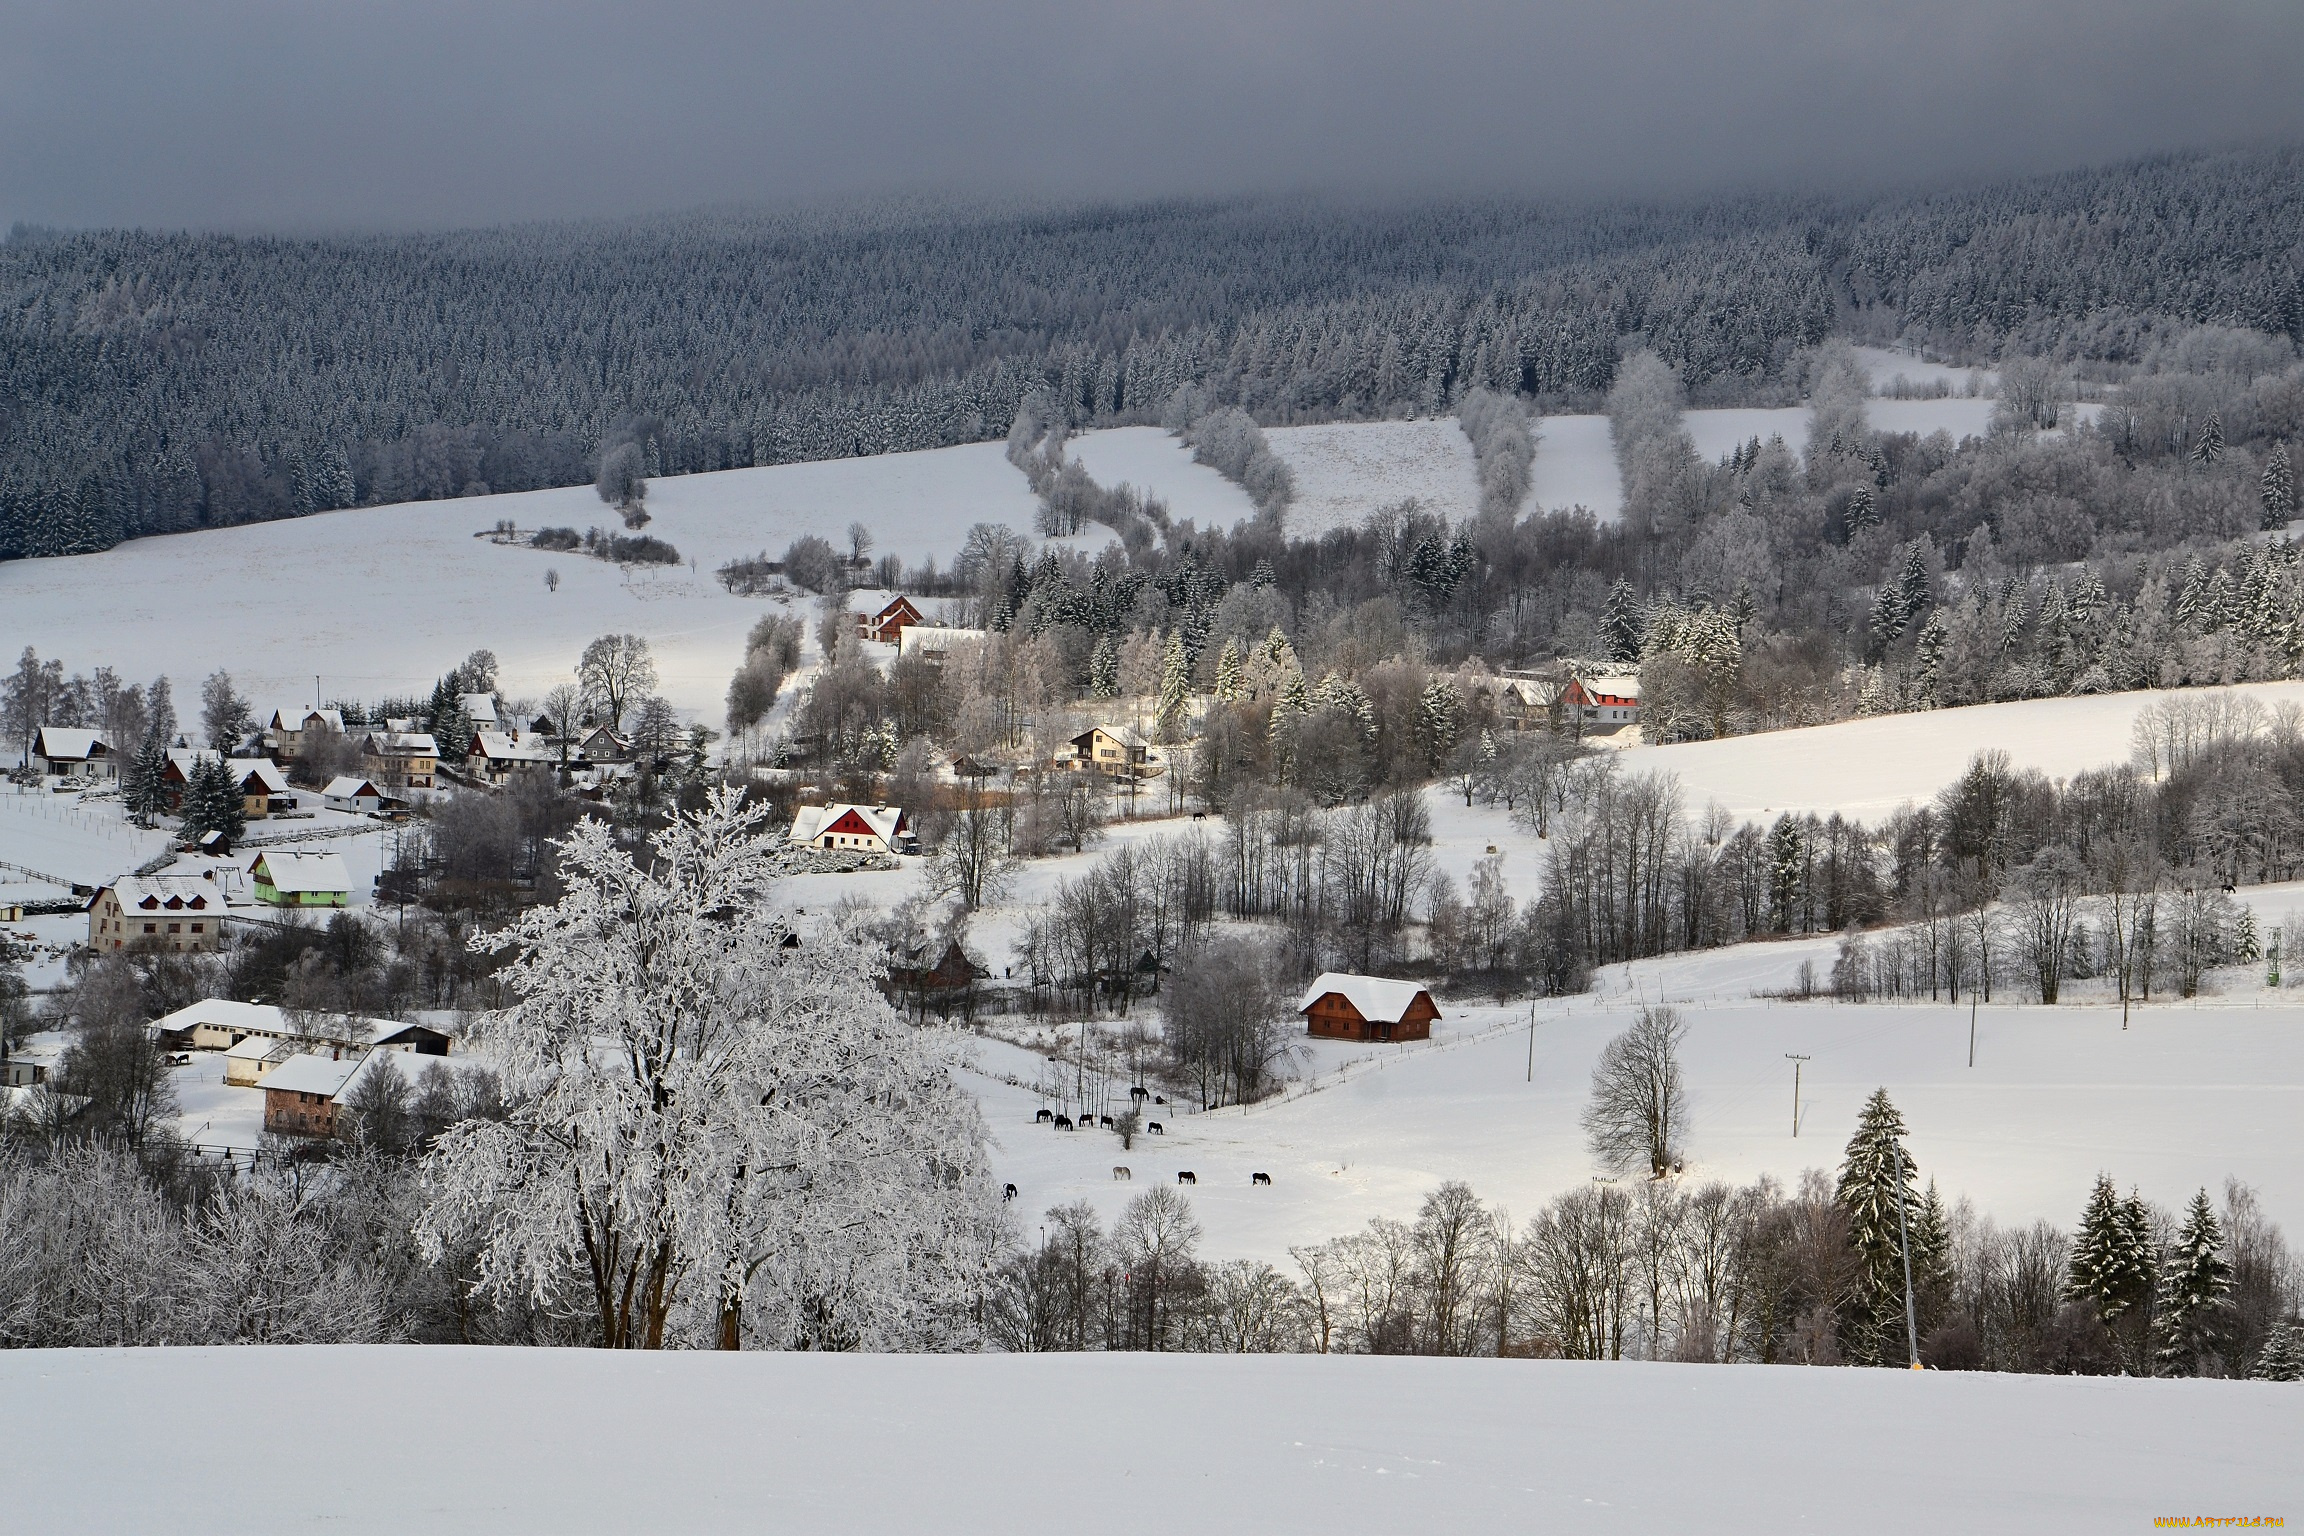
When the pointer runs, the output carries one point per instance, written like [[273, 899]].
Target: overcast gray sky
[[303, 113]]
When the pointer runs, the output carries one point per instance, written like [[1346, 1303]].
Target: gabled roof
[[882, 821], [62, 743], [346, 787], [156, 894], [294, 717], [1119, 733], [310, 1073], [296, 872], [479, 708], [871, 602], [1378, 999], [508, 747], [1622, 685], [273, 1023], [258, 775], [400, 744]]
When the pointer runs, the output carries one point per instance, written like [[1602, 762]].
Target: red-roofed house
[[868, 828]]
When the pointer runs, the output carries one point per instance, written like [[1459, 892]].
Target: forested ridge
[[151, 382]]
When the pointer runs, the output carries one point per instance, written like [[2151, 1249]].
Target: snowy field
[[557, 1441], [1867, 768], [68, 841], [385, 599], [1149, 459], [1346, 470]]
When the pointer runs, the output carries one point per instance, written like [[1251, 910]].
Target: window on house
[[151, 927]]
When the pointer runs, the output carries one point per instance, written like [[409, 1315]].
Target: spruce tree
[[2111, 1267], [1175, 686], [2282, 1357], [1620, 625], [1880, 1207], [2210, 447], [2193, 1312], [1104, 669], [1863, 511], [144, 788], [1228, 671], [1436, 714], [2278, 490]]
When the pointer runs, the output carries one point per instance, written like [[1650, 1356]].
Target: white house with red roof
[[1602, 703], [852, 828]]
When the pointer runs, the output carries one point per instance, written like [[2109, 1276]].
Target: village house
[[604, 746], [947, 982], [283, 878], [32, 1063], [346, 792], [287, 730], [1339, 1006], [882, 616], [400, 760], [178, 913], [1602, 704], [497, 755], [866, 828], [219, 1024], [308, 1095], [480, 709], [1525, 703], [1115, 750], [253, 1059], [263, 787], [64, 753]]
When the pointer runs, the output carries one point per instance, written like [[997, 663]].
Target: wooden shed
[[1340, 1006]]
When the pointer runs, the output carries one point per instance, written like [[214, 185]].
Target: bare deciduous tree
[[1639, 1108]]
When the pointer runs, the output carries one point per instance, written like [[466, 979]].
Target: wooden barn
[[1344, 1007]]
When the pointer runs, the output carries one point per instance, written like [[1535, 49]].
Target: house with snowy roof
[[285, 877], [263, 787], [349, 792], [1602, 704], [65, 752], [288, 729], [858, 828], [1115, 749], [307, 1094], [882, 615], [1341, 1006], [400, 759], [497, 755], [479, 708], [181, 914]]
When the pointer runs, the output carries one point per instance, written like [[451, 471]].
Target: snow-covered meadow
[[542, 1440]]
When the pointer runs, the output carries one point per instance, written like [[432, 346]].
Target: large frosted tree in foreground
[[716, 1139]]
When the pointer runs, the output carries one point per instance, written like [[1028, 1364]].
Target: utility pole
[[1971, 1026], [1531, 1042], [1911, 1318], [1795, 1060]]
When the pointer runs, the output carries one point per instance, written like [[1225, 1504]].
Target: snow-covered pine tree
[[1437, 710], [2192, 594], [2210, 446], [2245, 944], [2111, 1265], [144, 787], [2193, 1314], [2282, 1357], [1228, 671], [1620, 624], [1863, 511], [211, 800], [2277, 492], [1880, 1208], [1104, 669], [1175, 687]]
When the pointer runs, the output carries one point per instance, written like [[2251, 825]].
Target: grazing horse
[[1063, 1122], [1121, 1174], [1044, 1116], [1139, 1093], [1104, 1121], [1158, 1100], [1187, 1177], [1154, 1128], [1008, 1193], [1255, 1179]]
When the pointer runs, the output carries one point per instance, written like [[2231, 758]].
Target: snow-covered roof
[[311, 1073], [254, 1047], [934, 638], [1122, 734], [346, 787], [479, 708], [810, 821], [60, 743], [1621, 685], [294, 717], [263, 770], [1377, 998], [870, 601], [224, 1013], [291, 871], [167, 893], [401, 744], [509, 747]]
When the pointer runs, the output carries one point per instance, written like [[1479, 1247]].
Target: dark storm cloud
[[429, 112]]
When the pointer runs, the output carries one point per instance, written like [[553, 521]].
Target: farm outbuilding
[[1340, 1006]]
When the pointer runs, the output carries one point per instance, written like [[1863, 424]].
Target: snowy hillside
[[385, 599], [558, 1441], [1346, 470]]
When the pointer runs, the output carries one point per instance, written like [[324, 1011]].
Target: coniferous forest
[[153, 382]]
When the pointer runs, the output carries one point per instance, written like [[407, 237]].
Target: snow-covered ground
[[1575, 466], [1867, 768], [1150, 459], [384, 600], [72, 841], [510, 1441], [1346, 470]]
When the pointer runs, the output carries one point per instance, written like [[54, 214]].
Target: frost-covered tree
[[1621, 626], [2193, 1314], [2111, 1271], [2277, 492], [224, 715], [1175, 686], [2282, 1358], [1227, 669], [1878, 1190], [714, 1138]]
